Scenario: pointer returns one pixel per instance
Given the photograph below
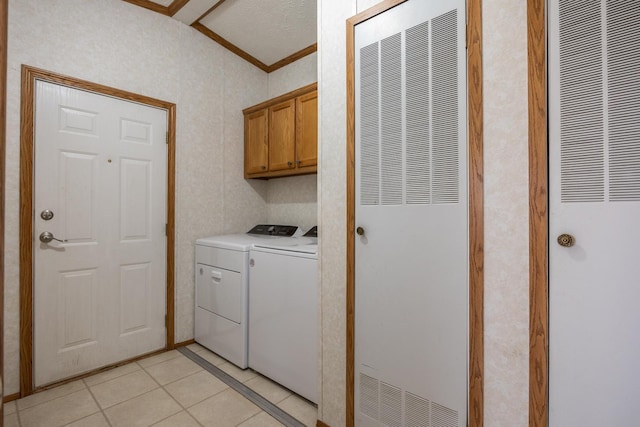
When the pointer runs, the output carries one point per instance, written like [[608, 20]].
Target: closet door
[[594, 152], [411, 273]]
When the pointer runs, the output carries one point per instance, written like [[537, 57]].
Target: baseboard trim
[[10, 397], [185, 343]]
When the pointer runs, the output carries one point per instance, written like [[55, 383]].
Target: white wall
[[506, 214], [117, 44]]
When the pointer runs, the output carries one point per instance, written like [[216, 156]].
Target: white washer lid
[[244, 242], [291, 249]]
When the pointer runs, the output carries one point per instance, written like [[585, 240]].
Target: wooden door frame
[[538, 215], [27, 140], [476, 208]]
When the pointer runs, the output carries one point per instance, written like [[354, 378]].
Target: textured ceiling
[[267, 30]]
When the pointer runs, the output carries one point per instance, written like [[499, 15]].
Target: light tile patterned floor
[[166, 390]]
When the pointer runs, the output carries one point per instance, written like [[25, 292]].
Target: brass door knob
[[566, 240], [360, 231]]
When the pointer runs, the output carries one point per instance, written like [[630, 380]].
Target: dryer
[[222, 281]]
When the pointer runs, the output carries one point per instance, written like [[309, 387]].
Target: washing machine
[[283, 314], [222, 281]]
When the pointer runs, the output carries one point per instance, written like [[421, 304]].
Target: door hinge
[[166, 229], [166, 139], [166, 321]]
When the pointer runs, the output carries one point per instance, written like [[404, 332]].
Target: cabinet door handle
[[298, 162], [263, 167], [290, 164]]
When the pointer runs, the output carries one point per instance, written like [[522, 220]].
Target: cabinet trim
[[281, 98]]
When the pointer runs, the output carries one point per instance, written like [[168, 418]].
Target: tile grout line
[[245, 391], [97, 404], [161, 387]]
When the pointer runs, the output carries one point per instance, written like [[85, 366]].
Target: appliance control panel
[[274, 230], [313, 232]]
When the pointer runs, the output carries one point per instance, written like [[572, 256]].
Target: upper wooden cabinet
[[256, 147], [281, 135]]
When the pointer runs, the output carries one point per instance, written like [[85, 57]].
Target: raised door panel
[[282, 134], [307, 130], [256, 144]]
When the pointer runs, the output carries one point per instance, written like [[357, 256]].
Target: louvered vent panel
[[391, 120], [416, 411], [623, 52], [390, 405], [418, 163], [581, 102], [443, 416], [369, 396], [445, 153], [369, 126]]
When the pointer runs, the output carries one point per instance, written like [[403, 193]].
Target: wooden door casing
[[29, 77]]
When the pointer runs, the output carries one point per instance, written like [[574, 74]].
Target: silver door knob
[[360, 231], [566, 240], [47, 237]]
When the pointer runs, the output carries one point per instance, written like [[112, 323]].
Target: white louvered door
[[101, 167], [594, 148], [411, 272]]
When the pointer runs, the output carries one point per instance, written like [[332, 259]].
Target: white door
[[411, 272], [101, 169], [594, 285]]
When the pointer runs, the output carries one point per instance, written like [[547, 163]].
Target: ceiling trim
[[293, 57], [170, 10], [230, 46], [176, 5], [211, 9]]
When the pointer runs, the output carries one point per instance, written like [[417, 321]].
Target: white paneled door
[[411, 252], [101, 189], [594, 261]]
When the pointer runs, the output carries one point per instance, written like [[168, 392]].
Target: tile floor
[[164, 390]]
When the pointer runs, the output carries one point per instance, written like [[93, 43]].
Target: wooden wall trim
[[284, 97], [476, 209], [321, 424], [26, 233], [293, 58], [174, 7], [230, 46], [211, 9], [538, 215], [476, 213], [4, 12], [10, 397], [29, 77], [147, 4]]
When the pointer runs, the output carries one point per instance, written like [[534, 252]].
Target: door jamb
[[476, 208], [538, 215], [29, 77]]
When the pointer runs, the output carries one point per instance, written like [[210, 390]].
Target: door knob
[[47, 237], [360, 231], [566, 240]]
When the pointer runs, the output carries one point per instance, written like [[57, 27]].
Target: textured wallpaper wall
[[506, 201], [114, 43]]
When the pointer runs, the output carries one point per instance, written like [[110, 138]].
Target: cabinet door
[[256, 144], [282, 134], [307, 129]]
